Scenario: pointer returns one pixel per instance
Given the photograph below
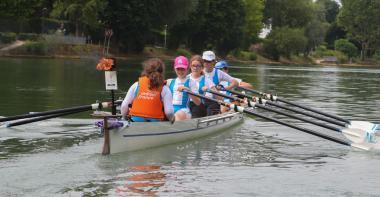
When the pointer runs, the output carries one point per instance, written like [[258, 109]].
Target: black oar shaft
[[293, 110], [298, 118], [280, 112], [331, 138], [308, 114], [300, 106], [313, 110], [21, 122], [57, 111]]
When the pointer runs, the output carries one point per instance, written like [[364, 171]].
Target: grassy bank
[[38, 49]]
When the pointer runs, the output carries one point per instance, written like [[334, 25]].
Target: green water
[[61, 157]]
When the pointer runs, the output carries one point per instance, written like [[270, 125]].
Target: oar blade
[[365, 125], [355, 135], [362, 146]]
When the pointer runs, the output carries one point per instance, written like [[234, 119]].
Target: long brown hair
[[154, 69]]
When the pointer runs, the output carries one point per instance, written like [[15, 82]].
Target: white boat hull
[[142, 135]]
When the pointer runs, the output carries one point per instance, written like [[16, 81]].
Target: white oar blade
[[355, 135], [362, 146], [364, 125]]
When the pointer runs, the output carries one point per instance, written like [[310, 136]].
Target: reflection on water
[[144, 180]]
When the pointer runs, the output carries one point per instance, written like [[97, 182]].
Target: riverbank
[[34, 50]]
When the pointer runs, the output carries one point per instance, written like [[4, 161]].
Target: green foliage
[[322, 51], [333, 33], [315, 32], [20, 8], [346, 47], [244, 55], [28, 36], [7, 38], [84, 13], [36, 48], [361, 19], [216, 25], [253, 21], [291, 13], [330, 9], [285, 41], [377, 56], [184, 52]]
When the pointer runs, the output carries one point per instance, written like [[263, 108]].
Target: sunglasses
[[197, 66], [208, 62]]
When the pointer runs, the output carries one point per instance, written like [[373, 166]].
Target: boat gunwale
[[203, 120]]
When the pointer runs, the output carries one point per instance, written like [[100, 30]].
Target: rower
[[149, 99], [199, 84], [223, 66], [177, 85], [216, 76]]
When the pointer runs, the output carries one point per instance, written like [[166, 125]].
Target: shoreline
[[171, 57]]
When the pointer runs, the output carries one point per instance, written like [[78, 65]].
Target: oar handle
[[225, 96]]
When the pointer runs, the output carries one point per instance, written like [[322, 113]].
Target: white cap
[[208, 55]]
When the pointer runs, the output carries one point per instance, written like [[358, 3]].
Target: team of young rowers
[[152, 99]]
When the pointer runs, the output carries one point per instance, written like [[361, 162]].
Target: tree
[[253, 20], [331, 9], [316, 29], [333, 33], [216, 25], [285, 41], [290, 13], [346, 47], [361, 20], [79, 12]]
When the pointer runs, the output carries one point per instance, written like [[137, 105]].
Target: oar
[[30, 120], [364, 125], [363, 146], [59, 111], [355, 135], [264, 102]]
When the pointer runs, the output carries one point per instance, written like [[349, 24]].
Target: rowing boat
[[141, 135]]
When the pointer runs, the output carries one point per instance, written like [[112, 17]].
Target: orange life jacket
[[147, 103]]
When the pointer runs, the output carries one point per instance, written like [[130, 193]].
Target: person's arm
[[167, 101], [210, 85], [128, 100], [195, 99], [226, 77]]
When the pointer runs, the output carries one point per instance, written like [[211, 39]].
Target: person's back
[[148, 99]]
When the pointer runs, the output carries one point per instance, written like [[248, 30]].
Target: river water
[[61, 157]]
